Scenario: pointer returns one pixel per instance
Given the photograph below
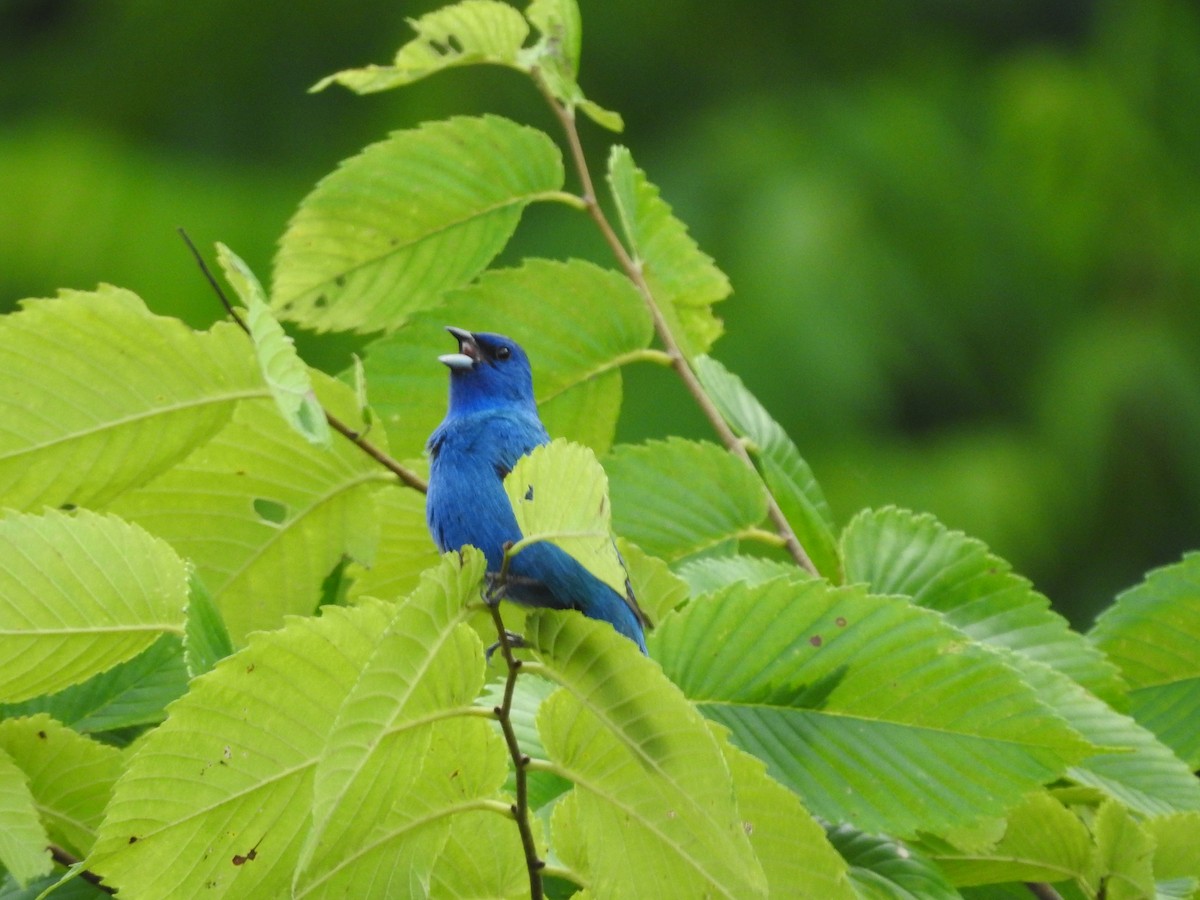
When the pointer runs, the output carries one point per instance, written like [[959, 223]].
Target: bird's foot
[[515, 642], [494, 589]]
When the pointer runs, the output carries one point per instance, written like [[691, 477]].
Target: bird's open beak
[[468, 350]]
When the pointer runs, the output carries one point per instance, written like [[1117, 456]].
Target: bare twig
[[405, 474], [503, 712], [63, 858], [679, 362]]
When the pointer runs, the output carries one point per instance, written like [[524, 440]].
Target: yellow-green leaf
[[285, 372], [559, 493], [79, 594]]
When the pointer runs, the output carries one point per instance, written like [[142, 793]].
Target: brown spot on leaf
[[840, 621], [249, 857], [815, 640]]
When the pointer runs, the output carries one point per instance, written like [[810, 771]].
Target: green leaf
[[576, 321], [22, 838], [561, 28], [405, 549], [70, 777], [263, 514], [554, 60], [1152, 633], [97, 395], [466, 33], [898, 552], [865, 705], [205, 639], [79, 594], [1126, 855], [559, 494], [711, 573], [1129, 763], [218, 797], [284, 371], [130, 694], [407, 219], [1176, 853], [395, 769], [1042, 841], [787, 474], [482, 857], [485, 32], [883, 869], [790, 844], [658, 590], [655, 796], [684, 281], [677, 498]]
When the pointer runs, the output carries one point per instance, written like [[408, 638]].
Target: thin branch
[[633, 270], [63, 858], [1042, 891], [520, 809], [405, 474]]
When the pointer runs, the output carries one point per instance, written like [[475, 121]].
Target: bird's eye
[[503, 353]]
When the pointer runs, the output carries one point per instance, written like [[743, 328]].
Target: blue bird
[[492, 422]]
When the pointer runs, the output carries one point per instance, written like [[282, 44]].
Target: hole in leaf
[[270, 510]]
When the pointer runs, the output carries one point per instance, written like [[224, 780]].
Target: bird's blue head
[[489, 371]]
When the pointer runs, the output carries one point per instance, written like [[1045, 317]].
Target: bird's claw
[[514, 640], [495, 590]]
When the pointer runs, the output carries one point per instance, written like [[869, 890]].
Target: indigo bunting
[[492, 422]]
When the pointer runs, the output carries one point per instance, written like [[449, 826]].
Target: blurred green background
[[964, 236]]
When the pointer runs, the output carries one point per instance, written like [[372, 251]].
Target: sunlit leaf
[[79, 594], [263, 514], [1152, 633], [657, 588], [405, 549], [559, 494], [675, 498], [98, 395], [70, 776], [787, 474], [482, 857], [555, 58], [22, 837], [1042, 841], [395, 768], [654, 794], [465, 33], [885, 698], [684, 281], [790, 844], [218, 796], [711, 573], [407, 219], [1126, 854], [284, 371]]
